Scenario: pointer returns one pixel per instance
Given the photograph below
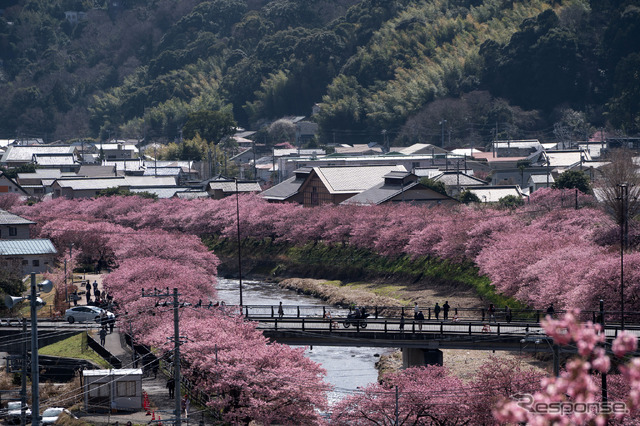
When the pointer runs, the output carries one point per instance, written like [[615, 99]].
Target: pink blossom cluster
[[576, 386]]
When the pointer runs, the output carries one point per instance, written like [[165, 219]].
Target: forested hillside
[[137, 68]]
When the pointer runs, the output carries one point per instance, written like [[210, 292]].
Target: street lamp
[[36, 303]]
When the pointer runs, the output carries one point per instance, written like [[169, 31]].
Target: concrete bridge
[[421, 341]]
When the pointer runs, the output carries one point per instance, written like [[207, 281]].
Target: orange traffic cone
[[159, 421]]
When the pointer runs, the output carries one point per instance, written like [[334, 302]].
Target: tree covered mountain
[[412, 71]]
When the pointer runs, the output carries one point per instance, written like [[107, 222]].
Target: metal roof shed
[[119, 390]]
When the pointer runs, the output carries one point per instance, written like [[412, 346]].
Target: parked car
[[14, 413], [86, 313], [50, 415]]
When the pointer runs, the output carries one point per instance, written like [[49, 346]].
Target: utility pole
[[23, 391], [176, 339], [35, 379], [624, 201], [239, 246]]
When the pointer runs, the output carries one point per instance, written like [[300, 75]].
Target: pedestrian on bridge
[[436, 310], [445, 310], [415, 310], [420, 319], [402, 322], [280, 311], [492, 312], [550, 310]]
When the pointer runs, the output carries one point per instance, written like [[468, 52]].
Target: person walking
[[112, 323], [415, 310], [436, 310], [103, 336], [75, 298], [420, 319], [88, 296], [171, 385], [492, 312], [508, 314], [550, 310], [402, 323], [445, 310], [95, 285], [280, 310]]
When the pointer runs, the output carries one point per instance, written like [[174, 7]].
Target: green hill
[[378, 68]]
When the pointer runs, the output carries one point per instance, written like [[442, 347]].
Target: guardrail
[[461, 314], [393, 325]]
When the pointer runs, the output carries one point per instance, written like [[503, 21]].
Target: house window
[[126, 388], [98, 389], [36, 262], [13, 231]]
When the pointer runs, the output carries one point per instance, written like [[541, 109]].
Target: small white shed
[[117, 390]]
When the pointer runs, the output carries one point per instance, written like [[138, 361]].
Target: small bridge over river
[[421, 341]]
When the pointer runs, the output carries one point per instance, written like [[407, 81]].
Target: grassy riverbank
[[404, 280]]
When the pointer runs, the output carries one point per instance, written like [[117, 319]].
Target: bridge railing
[[457, 314], [394, 325]]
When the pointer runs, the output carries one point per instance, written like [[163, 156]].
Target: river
[[347, 368]]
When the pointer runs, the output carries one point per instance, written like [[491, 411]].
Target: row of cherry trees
[[541, 253], [224, 356]]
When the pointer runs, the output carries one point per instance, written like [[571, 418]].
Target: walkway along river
[[347, 368]]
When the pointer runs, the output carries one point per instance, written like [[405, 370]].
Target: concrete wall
[[416, 357]]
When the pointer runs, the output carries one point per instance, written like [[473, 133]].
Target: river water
[[347, 368]]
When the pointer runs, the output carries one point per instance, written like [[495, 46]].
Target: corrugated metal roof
[[353, 179], [26, 247], [25, 153], [7, 218]]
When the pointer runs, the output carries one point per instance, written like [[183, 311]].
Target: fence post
[[302, 324], [483, 314], [441, 327], [376, 312], [385, 326], [272, 312], [298, 307], [498, 329], [469, 329], [429, 317], [538, 316], [324, 312]]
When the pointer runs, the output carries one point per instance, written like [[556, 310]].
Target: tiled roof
[[283, 190], [378, 194], [163, 171], [7, 218], [454, 179], [26, 247], [230, 186]]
